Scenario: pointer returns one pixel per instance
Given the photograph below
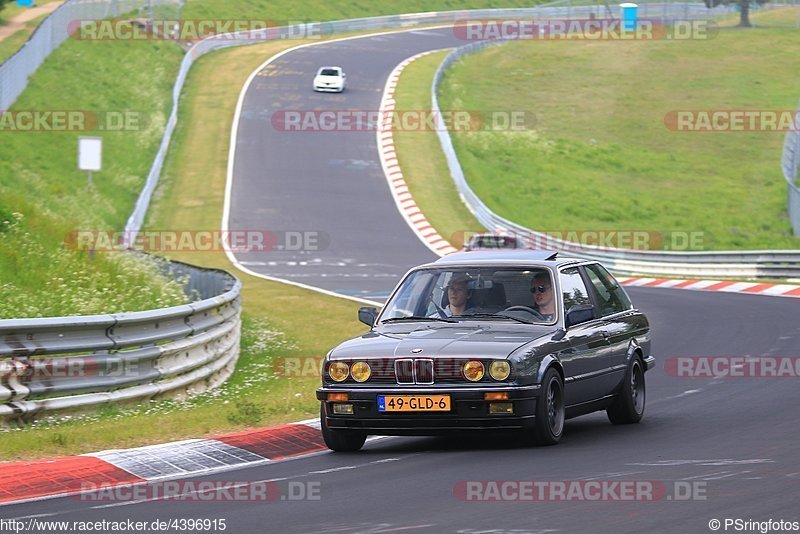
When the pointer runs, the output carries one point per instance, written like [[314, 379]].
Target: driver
[[542, 290], [458, 295]]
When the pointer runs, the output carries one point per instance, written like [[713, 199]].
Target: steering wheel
[[536, 315], [439, 309]]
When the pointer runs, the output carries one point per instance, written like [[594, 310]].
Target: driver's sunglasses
[[540, 289]]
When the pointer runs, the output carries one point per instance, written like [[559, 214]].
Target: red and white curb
[[70, 475], [397, 184], [752, 288]]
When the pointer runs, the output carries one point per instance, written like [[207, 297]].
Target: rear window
[[494, 241]]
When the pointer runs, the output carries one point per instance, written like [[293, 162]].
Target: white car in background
[[330, 79]]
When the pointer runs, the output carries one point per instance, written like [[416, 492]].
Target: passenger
[[545, 302]]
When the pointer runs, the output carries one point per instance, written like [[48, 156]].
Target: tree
[[744, 9]]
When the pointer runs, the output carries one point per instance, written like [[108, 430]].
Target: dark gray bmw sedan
[[506, 339]]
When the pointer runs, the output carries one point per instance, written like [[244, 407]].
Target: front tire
[[628, 407], [340, 440], [550, 410]]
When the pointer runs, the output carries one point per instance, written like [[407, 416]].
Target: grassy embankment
[[600, 155]]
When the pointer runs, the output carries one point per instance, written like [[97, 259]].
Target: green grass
[[40, 182], [600, 156], [422, 161], [320, 10]]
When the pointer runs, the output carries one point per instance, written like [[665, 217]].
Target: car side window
[[573, 289], [611, 297]]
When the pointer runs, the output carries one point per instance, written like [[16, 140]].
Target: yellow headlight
[[338, 371], [473, 370], [500, 370], [360, 371]]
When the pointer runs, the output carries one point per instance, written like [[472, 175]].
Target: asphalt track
[[736, 439], [329, 184]]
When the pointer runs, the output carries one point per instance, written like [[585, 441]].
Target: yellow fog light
[[343, 409], [473, 370], [338, 371], [501, 407], [360, 371], [500, 370]]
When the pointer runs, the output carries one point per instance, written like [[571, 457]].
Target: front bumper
[[329, 88], [649, 362], [469, 411]]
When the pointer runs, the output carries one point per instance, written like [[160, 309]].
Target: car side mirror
[[580, 313], [367, 315]]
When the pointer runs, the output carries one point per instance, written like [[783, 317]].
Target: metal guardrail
[[557, 9], [790, 161], [749, 264], [70, 364]]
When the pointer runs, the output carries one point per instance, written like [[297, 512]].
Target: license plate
[[414, 403]]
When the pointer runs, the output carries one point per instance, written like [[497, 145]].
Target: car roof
[[521, 257]]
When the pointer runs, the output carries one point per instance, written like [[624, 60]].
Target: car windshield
[[481, 294], [329, 72]]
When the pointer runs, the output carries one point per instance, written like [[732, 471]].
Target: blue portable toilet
[[629, 15]]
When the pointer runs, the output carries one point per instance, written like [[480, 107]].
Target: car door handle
[[604, 334]]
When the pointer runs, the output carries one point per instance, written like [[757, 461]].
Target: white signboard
[[90, 153]]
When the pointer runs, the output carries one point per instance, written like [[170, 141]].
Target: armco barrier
[[749, 264], [66, 364]]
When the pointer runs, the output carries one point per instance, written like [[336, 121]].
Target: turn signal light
[[338, 397], [473, 370], [497, 395]]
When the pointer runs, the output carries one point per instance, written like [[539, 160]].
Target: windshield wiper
[[494, 315], [417, 318]]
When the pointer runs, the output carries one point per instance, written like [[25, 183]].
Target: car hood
[[482, 340]]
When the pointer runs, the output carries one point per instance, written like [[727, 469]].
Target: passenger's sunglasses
[[540, 289]]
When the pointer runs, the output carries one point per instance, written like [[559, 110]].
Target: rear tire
[[340, 440], [628, 407], [550, 410]]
